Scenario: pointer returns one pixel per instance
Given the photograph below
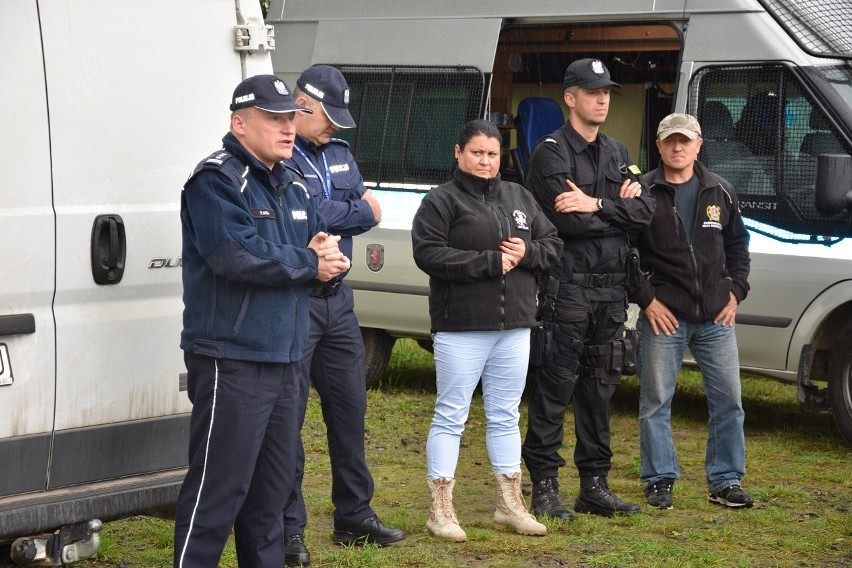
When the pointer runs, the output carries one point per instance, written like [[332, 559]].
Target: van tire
[[378, 346], [840, 382]]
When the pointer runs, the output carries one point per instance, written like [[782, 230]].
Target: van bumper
[[35, 513]]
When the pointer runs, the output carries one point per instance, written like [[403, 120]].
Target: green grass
[[799, 472]]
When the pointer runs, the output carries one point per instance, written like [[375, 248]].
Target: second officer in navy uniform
[[333, 359]]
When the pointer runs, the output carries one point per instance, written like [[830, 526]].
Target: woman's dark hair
[[477, 127]]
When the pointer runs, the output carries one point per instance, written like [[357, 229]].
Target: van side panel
[[719, 37], [27, 249], [107, 107], [146, 125]]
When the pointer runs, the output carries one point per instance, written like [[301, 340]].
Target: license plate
[[5, 366]]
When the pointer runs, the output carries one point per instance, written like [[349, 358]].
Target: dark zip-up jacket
[[456, 236], [694, 279], [245, 258]]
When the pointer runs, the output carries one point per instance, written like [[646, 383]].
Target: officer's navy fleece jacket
[[345, 212], [456, 236], [245, 259]]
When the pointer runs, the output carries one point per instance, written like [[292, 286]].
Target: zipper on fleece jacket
[[682, 234], [279, 194], [502, 276]]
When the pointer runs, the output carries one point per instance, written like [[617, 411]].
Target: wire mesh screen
[[408, 120], [821, 27], [763, 134]]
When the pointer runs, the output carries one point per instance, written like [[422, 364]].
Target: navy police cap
[[327, 85], [266, 92]]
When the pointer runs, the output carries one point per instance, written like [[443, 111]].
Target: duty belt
[[599, 280], [325, 291]]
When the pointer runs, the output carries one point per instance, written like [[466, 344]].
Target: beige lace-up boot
[[511, 509], [442, 518]]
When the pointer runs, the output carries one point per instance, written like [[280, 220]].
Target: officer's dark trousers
[[584, 317], [334, 361], [242, 446]]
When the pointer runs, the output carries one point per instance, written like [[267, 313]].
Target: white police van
[[770, 80], [106, 107]]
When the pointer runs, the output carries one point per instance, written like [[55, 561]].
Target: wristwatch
[[600, 204]]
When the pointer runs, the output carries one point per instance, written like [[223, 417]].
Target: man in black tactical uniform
[[586, 184]]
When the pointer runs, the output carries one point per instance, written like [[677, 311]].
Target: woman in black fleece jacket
[[482, 241]]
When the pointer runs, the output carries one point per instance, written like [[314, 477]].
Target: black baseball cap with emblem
[[266, 92], [327, 85], [589, 74]]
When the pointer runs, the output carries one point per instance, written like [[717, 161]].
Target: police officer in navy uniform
[[334, 355], [586, 184], [252, 241]]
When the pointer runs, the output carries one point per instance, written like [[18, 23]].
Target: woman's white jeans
[[500, 358]]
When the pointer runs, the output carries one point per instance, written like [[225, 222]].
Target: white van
[[770, 80], [106, 108]]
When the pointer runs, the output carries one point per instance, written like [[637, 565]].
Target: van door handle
[[17, 324], [109, 249]]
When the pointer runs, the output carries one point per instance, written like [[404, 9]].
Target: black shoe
[[659, 494], [545, 500], [370, 530], [295, 551], [732, 496], [596, 498]]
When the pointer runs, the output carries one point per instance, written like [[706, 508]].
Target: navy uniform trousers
[[242, 445], [333, 360], [584, 317]]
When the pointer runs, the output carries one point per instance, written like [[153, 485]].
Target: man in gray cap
[[587, 185], [333, 359], [696, 255], [252, 241]]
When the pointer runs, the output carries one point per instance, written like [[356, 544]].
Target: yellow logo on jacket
[[714, 217]]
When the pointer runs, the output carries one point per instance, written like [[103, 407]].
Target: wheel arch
[[817, 329]]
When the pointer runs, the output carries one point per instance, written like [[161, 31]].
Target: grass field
[[799, 472]]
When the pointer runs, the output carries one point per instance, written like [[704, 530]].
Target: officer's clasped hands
[[331, 262]]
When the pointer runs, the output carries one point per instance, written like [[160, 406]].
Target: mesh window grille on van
[[408, 120], [821, 27], [763, 132]]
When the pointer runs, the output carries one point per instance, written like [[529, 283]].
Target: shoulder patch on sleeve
[[634, 169], [551, 140]]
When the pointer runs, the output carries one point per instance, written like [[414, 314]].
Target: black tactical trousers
[[585, 317]]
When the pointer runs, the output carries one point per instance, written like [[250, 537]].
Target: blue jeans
[[660, 357], [500, 358]]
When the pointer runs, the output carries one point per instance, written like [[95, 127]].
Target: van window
[[408, 121], [763, 132]]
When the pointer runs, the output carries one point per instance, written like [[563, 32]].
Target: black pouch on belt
[[541, 335]]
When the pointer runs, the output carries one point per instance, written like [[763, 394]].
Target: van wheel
[[840, 382], [378, 346]]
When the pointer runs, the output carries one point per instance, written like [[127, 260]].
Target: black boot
[[596, 498], [295, 551], [545, 500]]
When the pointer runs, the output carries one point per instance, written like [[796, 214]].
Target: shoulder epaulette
[[227, 163], [340, 141]]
